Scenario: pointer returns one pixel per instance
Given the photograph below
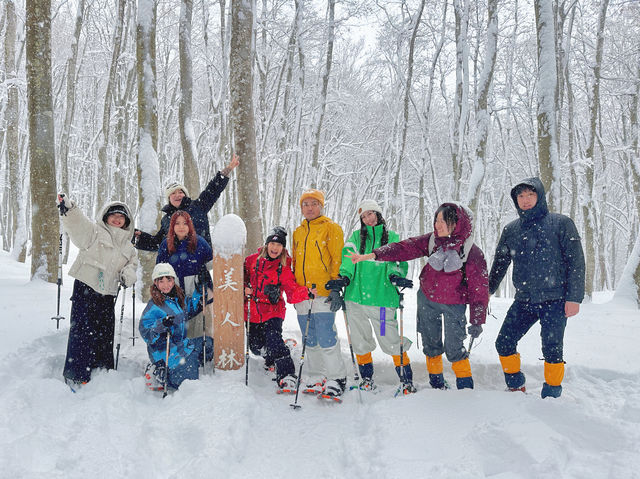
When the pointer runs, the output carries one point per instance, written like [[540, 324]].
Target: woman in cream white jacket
[[106, 258]]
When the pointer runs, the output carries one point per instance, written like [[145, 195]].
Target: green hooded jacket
[[369, 280]]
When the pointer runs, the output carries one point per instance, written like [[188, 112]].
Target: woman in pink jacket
[[455, 275]]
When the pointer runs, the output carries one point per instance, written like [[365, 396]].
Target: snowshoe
[[549, 391], [290, 343], [367, 384], [333, 389], [314, 388], [521, 389], [154, 377], [405, 389], [74, 385], [287, 385]]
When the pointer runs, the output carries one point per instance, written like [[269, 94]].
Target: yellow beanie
[[315, 194]]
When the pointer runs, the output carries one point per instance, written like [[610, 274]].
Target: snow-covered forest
[[408, 102]]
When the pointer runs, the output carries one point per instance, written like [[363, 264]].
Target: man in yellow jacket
[[317, 254]]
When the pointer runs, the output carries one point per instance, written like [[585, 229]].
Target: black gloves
[[272, 292], [474, 330], [62, 206], [167, 321], [203, 279], [337, 284], [400, 282], [335, 301]]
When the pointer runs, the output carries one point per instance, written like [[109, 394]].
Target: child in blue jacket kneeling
[[165, 318]]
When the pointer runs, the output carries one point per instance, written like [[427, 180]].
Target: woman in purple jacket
[[455, 275]]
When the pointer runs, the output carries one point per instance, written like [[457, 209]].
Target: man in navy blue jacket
[[548, 273]]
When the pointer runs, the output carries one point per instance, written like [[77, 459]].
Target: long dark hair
[[158, 297], [364, 232]]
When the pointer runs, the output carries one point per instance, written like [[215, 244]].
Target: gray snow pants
[[431, 316]]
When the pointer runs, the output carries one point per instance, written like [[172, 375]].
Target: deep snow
[[217, 427]]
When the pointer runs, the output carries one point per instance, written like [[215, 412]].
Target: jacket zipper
[[321, 259], [304, 256]]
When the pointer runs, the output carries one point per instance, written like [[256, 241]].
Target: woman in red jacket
[[267, 274], [455, 275]]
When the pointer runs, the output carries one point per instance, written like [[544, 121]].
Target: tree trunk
[[483, 119], [104, 192], [45, 222], [407, 96], [70, 98], [460, 109], [149, 192], [241, 82], [630, 279], [316, 173], [547, 102], [187, 135], [12, 135], [589, 204]]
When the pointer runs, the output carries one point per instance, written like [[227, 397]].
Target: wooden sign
[[228, 240]]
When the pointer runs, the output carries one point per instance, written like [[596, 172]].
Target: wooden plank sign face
[[228, 240]]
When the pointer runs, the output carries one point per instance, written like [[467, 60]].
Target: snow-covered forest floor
[[217, 427]]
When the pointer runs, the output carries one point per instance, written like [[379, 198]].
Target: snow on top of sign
[[229, 236]]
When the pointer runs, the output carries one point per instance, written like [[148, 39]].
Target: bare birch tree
[[483, 119], [407, 96], [109, 97], [547, 102], [147, 157], [241, 83], [12, 138], [70, 98], [316, 172], [588, 205], [187, 135], [45, 222], [460, 104]]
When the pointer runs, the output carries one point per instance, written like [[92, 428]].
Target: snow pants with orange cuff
[[431, 318], [518, 321]]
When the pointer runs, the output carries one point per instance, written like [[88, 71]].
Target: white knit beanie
[[161, 270], [173, 187], [368, 205]]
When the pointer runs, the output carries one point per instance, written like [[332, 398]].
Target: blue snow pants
[[90, 343], [519, 319], [188, 369], [268, 335]]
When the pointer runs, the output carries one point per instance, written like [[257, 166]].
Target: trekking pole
[[57, 317], [124, 297], [133, 314], [166, 364], [246, 349], [401, 321], [356, 373], [204, 328], [470, 346], [304, 347]]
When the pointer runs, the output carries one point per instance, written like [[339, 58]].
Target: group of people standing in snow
[[364, 276]]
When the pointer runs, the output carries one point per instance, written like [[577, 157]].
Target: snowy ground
[[217, 427]]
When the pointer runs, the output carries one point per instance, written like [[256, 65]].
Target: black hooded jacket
[[197, 209], [548, 262]]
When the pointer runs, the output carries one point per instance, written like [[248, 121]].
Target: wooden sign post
[[228, 240]]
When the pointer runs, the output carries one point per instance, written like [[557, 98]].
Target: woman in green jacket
[[371, 297]]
